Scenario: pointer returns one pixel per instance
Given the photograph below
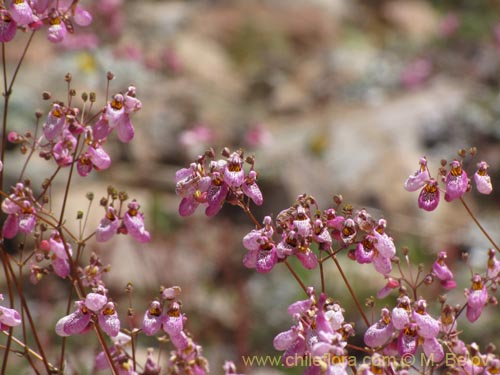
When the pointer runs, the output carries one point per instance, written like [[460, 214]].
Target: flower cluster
[[319, 334], [57, 15], [97, 309], [212, 183], [66, 127], [406, 326], [130, 222], [455, 179], [187, 357]]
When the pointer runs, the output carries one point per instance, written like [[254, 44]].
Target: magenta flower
[[421, 176], [477, 298], [23, 221], [8, 317], [482, 179], [216, 194], [442, 272], [63, 150], [456, 181], [429, 196], [8, 26], [134, 222]]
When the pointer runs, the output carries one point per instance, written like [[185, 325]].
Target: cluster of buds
[[212, 182], [455, 180], [318, 338], [57, 15], [187, 357]]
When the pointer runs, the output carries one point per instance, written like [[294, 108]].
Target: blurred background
[[331, 96]]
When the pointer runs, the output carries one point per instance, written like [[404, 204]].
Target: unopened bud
[[110, 76], [473, 151], [338, 199], [72, 92], [428, 279], [92, 97], [462, 153], [85, 96], [68, 77], [46, 95]]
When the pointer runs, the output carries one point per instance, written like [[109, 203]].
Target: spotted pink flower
[[456, 181], [477, 298], [418, 180], [442, 272], [8, 26], [482, 179], [134, 222], [108, 226], [8, 317], [234, 175], [108, 320], [429, 196], [21, 12], [74, 323], [380, 333], [153, 320], [57, 31], [251, 189]]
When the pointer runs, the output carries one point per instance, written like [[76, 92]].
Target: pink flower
[[8, 26], [416, 73], [57, 30], [21, 12], [388, 288], [53, 127], [153, 320], [108, 320], [216, 194], [442, 272], [456, 181], [234, 175], [118, 114], [74, 323], [63, 150], [251, 189], [477, 298], [108, 226], [429, 196], [380, 333], [134, 222], [8, 317], [482, 179], [95, 301]]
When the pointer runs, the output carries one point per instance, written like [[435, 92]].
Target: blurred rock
[[418, 20]]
